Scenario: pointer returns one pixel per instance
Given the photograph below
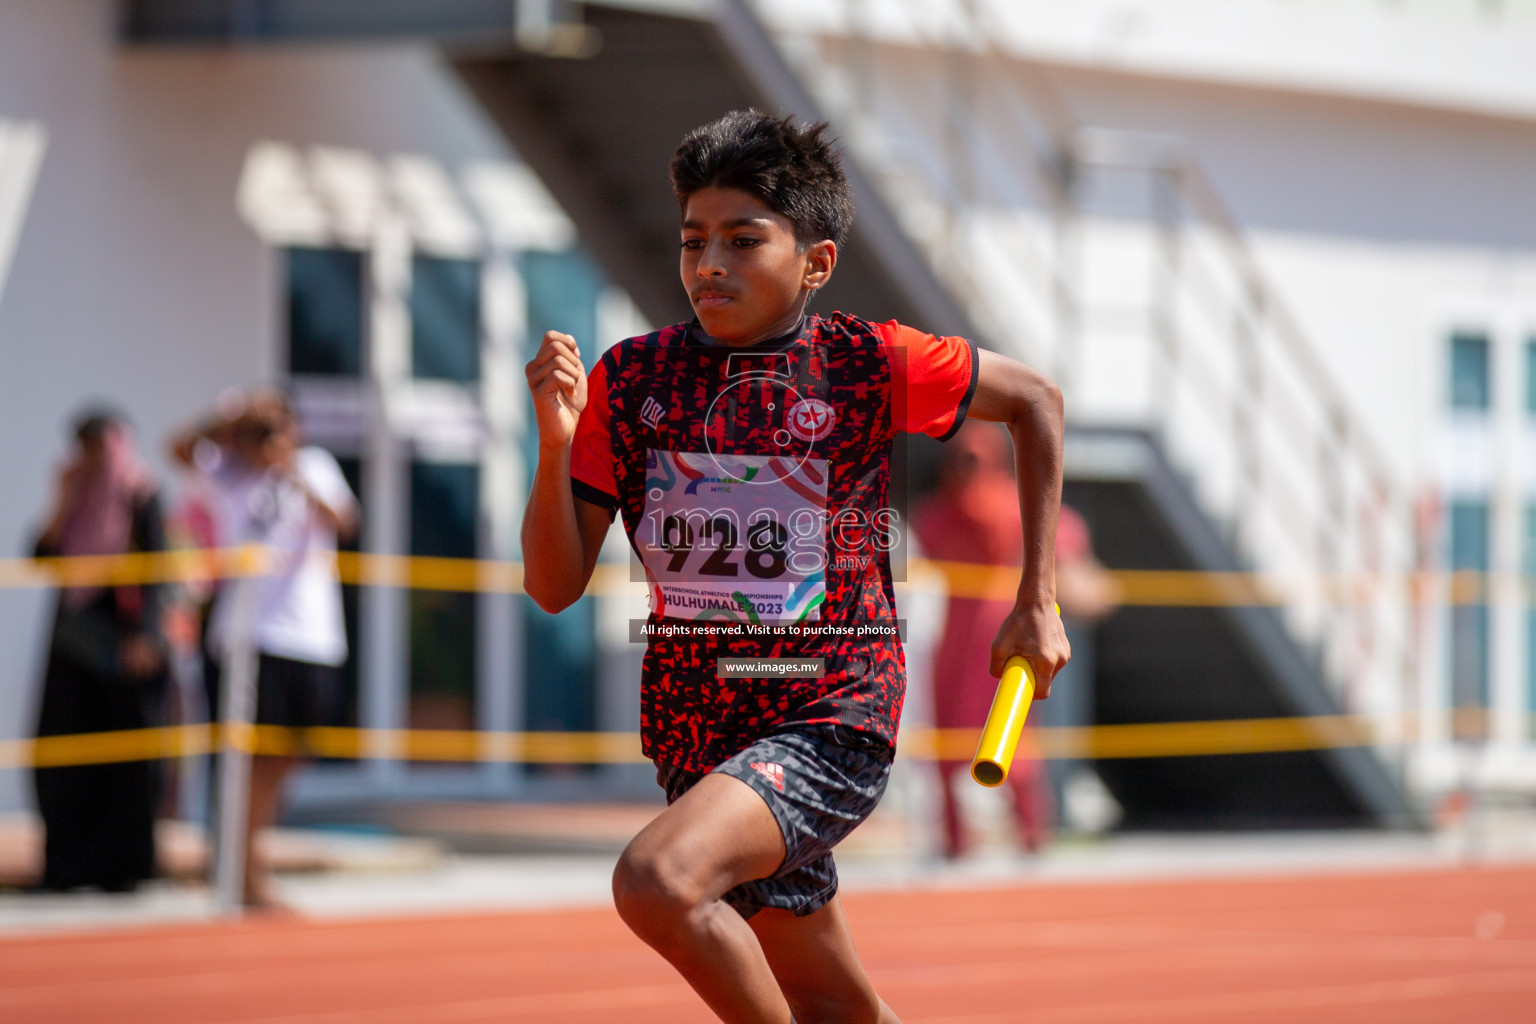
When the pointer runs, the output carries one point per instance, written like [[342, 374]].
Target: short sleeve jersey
[[754, 485]]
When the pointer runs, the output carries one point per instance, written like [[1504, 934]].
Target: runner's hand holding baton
[[1005, 722]]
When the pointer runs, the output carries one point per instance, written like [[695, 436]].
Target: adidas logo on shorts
[[774, 773]]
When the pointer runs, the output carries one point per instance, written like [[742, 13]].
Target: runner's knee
[[845, 1008], [653, 891]]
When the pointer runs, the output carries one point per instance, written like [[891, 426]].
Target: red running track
[[1393, 947]]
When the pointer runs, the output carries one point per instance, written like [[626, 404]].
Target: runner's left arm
[[1030, 405], [562, 534]]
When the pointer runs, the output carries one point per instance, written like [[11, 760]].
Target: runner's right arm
[[561, 535]]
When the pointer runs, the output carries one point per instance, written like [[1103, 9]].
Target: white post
[[238, 700], [383, 654], [498, 704]]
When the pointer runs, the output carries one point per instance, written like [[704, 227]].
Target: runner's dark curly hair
[[791, 167]]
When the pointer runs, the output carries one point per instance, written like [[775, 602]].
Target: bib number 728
[[766, 548]]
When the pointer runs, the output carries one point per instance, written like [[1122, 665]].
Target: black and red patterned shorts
[[820, 782]]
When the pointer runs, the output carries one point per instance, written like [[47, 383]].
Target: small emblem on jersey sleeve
[[774, 773], [810, 419], [651, 412]]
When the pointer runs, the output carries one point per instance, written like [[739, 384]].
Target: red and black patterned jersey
[[754, 485]]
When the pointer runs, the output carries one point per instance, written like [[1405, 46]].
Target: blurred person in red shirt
[[973, 518]]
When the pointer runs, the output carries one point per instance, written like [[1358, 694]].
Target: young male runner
[[748, 453]]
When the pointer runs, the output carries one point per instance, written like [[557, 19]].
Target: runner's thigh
[[714, 837]]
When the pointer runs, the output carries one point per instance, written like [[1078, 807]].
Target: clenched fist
[[558, 383]]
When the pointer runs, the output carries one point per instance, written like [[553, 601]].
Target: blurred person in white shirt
[[265, 487]]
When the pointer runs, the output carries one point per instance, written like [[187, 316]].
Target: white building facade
[[337, 220], [177, 222], [1294, 240]]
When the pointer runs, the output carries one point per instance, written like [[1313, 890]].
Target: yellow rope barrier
[[1169, 739], [1155, 739], [108, 747], [1137, 587]]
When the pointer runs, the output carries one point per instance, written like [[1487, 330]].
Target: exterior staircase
[[1204, 432]]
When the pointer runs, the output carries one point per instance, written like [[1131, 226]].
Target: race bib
[[739, 538]]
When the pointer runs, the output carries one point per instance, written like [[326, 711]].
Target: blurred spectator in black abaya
[[106, 665]]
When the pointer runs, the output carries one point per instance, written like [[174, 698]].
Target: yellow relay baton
[[1005, 722]]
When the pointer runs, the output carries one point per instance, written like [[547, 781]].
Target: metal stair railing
[[1236, 390], [1241, 395]]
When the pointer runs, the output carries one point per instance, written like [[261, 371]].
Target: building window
[[1470, 385], [1469, 611], [563, 290], [1530, 376], [325, 312], [560, 665], [445, 504], [445, 319]]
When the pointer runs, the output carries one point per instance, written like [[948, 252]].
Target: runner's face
[[746, 276]]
